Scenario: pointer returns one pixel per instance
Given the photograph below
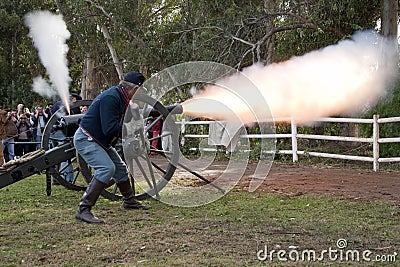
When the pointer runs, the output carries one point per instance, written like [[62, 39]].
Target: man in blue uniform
[[99, 128]]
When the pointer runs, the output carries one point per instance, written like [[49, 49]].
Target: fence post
[[294, 139], [183, 131], [375, 144]]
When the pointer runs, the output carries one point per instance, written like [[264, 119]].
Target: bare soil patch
[[347, 183], [296, 179], [292, 179]]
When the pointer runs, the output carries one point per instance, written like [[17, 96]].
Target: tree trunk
[[389, 18], [269, 6], [351, 130], [117, 63], [89, 78]]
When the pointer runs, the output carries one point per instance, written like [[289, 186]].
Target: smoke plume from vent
[[339, 79], [43, 88], [49, 33]]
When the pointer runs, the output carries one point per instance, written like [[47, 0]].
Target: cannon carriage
[[152, 173]]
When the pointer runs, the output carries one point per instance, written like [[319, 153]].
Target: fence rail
[[294, 136]]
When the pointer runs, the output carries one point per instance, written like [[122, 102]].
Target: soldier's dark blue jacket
[[104, 118]]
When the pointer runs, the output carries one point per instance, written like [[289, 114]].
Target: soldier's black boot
[[129, 197], [88, 200]]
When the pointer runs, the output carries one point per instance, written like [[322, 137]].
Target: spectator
[[32, 146], [167, 135], [21, 109], [11, 133], [155, 136], [13, 116], [84, 109], [48, 109], [3, 119], [24, 135], [38, 120], [75, 97]]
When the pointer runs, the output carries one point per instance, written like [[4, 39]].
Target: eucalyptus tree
[[112, 37], [109, 38], [240, 33], [18, 59]]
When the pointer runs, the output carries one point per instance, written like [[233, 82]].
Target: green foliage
[[329, 22], [18, 58], [389, 106], [153, 34]]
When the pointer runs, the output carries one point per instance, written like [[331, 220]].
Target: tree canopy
[[109, 38]]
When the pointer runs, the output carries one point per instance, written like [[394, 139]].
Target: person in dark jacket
[[38, 120], [24, 135], [11, 133], [99, 128]]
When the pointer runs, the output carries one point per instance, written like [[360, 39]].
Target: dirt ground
[[297, 179], [346, 183]]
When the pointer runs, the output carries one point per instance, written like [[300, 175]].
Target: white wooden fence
[[294, 136]]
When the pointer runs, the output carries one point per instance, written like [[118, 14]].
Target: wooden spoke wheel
[[150, 166]]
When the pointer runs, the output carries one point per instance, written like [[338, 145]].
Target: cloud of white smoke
[[336, 80], [43, 88], [49, 33]]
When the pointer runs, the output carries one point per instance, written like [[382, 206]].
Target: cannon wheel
[[57, 172], [154, 167], [76, 165]]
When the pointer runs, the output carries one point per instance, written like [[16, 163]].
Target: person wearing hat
[[98, 131], [75, 97], [24, 135]]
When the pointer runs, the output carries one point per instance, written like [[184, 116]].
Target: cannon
[[49, 158], [58, 155]]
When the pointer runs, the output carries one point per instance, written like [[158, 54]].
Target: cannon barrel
[[68, 124], [67, 120], [72, 119], [172, 109], [134, 113]]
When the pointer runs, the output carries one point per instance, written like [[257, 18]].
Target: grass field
[[241, 229]]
